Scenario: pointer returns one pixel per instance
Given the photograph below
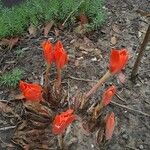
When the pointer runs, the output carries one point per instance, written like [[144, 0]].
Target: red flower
[[62, 121], [118, 59], [32, 92], [60, 56], [48, 51], [108, 95], [110, 125]]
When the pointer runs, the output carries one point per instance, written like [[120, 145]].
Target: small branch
[[72, 12], [141, 53], [81, 79], [130, 109], [7, 128], [120, 98]]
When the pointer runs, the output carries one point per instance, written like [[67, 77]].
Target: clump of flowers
[[55, 53]]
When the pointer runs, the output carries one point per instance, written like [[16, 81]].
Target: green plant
[[11, 78], [16, 20]]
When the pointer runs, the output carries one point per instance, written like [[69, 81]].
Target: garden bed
[[89, 58]]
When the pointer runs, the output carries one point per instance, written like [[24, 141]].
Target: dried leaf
[[32, 30], [9, 42], [38, 108], [5, 108], [19, 97], [47, 28], [113, 40], [99, 135]]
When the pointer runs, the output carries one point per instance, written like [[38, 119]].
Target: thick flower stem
[[47, 78], [58, 82], [99, 83], [97, 110], [60, 141]]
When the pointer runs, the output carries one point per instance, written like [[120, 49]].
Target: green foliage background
[[16, 20], [11, 78]]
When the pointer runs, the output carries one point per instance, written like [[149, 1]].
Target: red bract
[[31, 92], [48, 51], [110, 125], [62, 121], [108, 95], [118, 59], [60, 56]]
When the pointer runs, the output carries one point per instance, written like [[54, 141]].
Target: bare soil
[[89, 58]]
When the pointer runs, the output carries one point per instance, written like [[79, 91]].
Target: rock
[[141, 147], [113, 40]]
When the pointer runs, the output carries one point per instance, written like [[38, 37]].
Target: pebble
[[141, 147]]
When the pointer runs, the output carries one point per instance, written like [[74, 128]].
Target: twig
[[7, 128], [72, 12], [120, 98], [130, 109], [141, 53], [81, 79]]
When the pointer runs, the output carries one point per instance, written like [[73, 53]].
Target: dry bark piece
[[48, 27], [5, 108]]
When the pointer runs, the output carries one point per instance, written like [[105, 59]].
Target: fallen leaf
[[5, 108], [32, 30], [113, 40], [48, 27], [9, 42], [122, 77], [109, 125]]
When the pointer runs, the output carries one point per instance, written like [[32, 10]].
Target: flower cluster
[[56, 53]]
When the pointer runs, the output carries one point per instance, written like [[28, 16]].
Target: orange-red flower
[[62, 121], [31, 92], [60, 56], [48, 51], [110, 125], [118, 59], [108, 95]]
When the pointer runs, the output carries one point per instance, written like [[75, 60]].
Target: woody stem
[[97, 110], [47, 77], [98, 84], [141, 53]]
